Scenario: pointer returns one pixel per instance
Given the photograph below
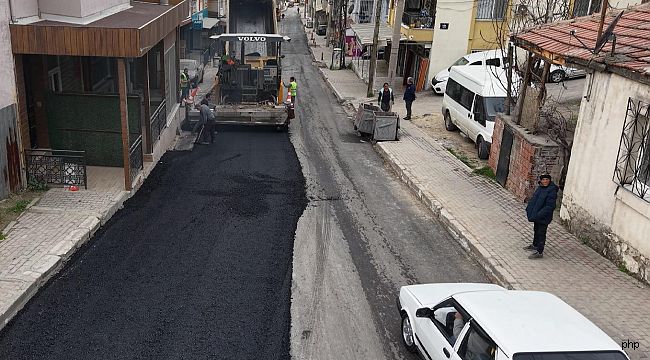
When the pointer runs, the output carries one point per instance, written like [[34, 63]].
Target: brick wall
[[530, 156]]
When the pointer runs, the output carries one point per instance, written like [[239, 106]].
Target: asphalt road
[[196, 266], [362, 236]]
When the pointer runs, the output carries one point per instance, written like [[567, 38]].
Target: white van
[[482, 58], [474, 95]]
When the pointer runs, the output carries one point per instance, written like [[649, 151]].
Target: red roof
[[631, 57]]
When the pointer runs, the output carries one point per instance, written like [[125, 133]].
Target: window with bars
[[365, 11], [633, 161], [491, 9], [585, 7]]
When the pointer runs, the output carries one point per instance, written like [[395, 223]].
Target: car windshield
[[461, 61], [494, 105], [595, 355]]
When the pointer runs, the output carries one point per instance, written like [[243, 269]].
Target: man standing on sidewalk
[[386, 98], [540, 212], [409, 97]]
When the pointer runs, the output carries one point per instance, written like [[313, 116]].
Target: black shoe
[[204, 143], [536, 255], [407, 118], [530, 248]]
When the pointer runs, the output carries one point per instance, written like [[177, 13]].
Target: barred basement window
[[491, 9], [633, 162]]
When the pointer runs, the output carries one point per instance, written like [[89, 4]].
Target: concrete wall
[[91, 7], [23, 8], [610, 218], [61, 8], [449, 45]]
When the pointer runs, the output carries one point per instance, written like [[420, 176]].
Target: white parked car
[[483, 58], [560, 73], [487, 322]]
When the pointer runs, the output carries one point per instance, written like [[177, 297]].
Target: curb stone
[[464, 238]]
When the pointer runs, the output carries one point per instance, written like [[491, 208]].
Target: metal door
[[503, 167]]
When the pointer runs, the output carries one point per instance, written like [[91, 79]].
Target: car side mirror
[[281, 56], [449, 68], [424, 313]]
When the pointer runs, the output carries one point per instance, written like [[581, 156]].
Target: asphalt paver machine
[[249, 85]]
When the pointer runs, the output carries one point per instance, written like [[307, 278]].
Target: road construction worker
[[185, 85], [293, 88]]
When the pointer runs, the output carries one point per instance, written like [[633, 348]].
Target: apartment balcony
[[417, 27]]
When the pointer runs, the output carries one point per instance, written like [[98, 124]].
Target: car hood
[[432, 294], [442, 75]]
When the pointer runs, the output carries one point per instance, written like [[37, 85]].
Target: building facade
[[96, 83]]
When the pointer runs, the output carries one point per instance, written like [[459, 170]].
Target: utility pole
[[373, 54], [344, 30], [329, 22], [397, 34]]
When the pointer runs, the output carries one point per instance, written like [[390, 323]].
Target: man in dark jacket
[[386, 98], [409, 97], [540, 212]]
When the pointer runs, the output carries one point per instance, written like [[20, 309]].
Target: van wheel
[[408, 337], [448, 124], [483, 150]]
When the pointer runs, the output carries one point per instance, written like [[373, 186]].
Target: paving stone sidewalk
[[39, 242], [490, 223]]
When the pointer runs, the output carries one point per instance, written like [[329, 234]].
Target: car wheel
[[557, 76], [448, 124], [408, 338], [483, 150]]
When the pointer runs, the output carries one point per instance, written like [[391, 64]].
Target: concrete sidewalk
[[488, 222]]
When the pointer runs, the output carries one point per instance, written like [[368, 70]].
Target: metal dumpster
[[386, 125], [365, 121]]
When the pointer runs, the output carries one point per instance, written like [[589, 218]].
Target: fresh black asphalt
[[196, 265]]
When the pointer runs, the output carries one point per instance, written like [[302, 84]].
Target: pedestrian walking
[[409, 97], [386, 99], [185, 85], [293, 88], [205, 126], [540, 212]]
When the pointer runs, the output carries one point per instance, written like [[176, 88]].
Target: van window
[[493, 62], [453, 90], [466, 98], [460, 62], [494, 105]]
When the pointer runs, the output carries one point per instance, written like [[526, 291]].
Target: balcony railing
[[136, 160], [158, 121], [56, 167], [417, 21]]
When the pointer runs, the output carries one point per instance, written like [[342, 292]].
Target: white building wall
[[91, 7], [591, 198], [61, 8], [24, 8], [449, 45], [7, 74]]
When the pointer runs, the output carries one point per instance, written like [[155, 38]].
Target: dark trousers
[[205, 130], [539, 236], [385, 106], [409, 103]]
